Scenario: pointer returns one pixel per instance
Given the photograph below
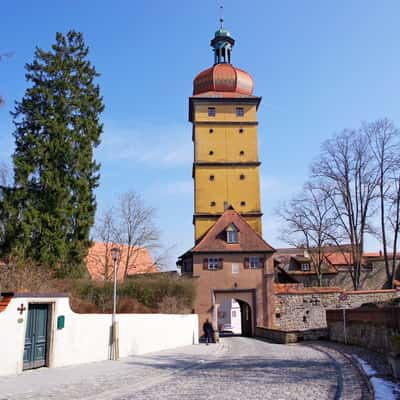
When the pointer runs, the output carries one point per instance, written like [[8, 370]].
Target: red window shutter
[[220, 263], [205, 263], [246, 263]]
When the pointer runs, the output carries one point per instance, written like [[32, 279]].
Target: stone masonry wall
[[299, 308]]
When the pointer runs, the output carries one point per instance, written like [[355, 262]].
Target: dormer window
[[305, 267], [232, 234]]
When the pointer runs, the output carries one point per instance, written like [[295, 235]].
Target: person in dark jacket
[[208, 331]]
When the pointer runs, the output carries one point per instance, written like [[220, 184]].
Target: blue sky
[[319, 67]]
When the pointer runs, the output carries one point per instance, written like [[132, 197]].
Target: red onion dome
[[223, 78]]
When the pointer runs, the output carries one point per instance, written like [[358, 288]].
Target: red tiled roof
[[284, 256], [340, 258], [300, 289], [99, 255], [215, 239], [4, 301]]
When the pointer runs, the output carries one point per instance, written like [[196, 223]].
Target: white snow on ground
[[383, 389]]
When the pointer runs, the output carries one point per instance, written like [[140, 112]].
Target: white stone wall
[[86, 337]]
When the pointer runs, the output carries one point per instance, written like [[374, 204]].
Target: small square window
[[213, 204], [242, 203], [305, 267], [241, 130], [211, 130], [239, 111], [212, 177], [241, 153], [211, 111], [210, 152], [242, 177], [213, 263]]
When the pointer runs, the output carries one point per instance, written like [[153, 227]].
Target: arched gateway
[[241, 318], [230, 258]]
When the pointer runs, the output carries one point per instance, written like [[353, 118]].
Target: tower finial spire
[[222, 42]]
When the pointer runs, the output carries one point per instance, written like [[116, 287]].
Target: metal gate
[[35, 350]]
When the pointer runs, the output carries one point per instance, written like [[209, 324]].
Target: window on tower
[[241, 152], [212, 177], [211, 111], [239, 111], [242, 177]]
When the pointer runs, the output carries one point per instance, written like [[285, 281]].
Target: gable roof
[[99, 256], [215, 239], [283, 259]]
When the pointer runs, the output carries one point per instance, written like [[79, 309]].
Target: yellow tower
[[223, 111]]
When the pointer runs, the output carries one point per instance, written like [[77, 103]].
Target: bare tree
[[106, 232], [136, 229], [346, 173], [2, 57], [309, 225], [131, 227], [383, 138], [4, 173], [393, 198]]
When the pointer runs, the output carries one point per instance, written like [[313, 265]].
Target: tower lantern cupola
[[222, 45]]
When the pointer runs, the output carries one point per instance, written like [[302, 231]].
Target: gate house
[[230, 259]]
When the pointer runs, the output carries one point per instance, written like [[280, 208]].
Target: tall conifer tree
[[51, 207]]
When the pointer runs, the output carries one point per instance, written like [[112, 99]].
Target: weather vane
[[221, 20]]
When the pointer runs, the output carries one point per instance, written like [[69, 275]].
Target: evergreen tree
[[51, 208]]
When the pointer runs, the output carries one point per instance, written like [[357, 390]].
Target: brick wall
[[299, 308]]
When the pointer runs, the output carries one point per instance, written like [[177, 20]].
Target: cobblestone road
[[237, 368]]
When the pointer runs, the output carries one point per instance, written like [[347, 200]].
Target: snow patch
[[383, 389]]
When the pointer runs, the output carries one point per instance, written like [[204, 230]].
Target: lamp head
[[115, 253]]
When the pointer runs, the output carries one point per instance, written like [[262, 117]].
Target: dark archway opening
[[246, 321]]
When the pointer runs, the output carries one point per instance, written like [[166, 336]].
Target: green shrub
[[156, 293]]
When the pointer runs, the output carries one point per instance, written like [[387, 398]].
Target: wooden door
[[35, 350]]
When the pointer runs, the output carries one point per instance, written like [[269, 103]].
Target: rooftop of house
[[135, 260], [337, 258], [246, 239]]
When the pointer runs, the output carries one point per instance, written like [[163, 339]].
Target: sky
[[319, 66]]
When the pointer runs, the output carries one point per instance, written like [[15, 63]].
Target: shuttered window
[[213, 263], [253, 262]]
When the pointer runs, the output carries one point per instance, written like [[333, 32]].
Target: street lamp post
[[115, 350]]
